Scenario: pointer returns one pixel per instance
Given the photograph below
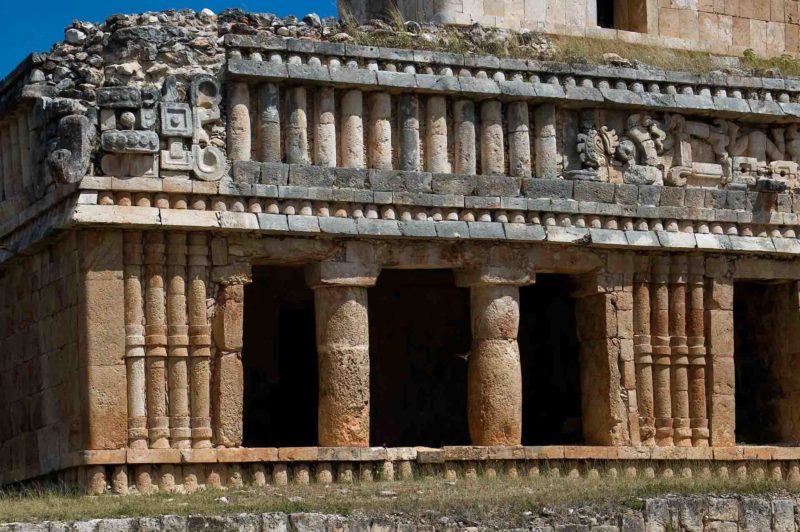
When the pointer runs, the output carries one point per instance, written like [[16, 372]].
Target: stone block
[[626, 194], [548, 188], [452, 229], [310, 176], [650, 195], [672, 197], [304, 224], [497, 186], [463, 185], [593, 191], [417, 228], [274, 174], [755, 515], [351, 178], [273, 222], [371, 227], [333, 225]]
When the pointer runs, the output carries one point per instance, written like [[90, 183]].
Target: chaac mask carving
[[147, 133], [183, 128], [681, 151]]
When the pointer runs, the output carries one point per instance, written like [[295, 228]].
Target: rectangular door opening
[[766, 358], [419, 340], [280, 360], [550, 358]]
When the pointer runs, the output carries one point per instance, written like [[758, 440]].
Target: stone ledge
[[279, 224], [765, 111], [428, 455], [455, 61]]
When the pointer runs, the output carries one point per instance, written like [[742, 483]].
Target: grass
[[568, 49], [500, 502]]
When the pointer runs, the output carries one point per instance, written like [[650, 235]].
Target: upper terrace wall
[[770, 28]]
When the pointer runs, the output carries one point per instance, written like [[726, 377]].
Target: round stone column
[[342, 319], [494, 384]]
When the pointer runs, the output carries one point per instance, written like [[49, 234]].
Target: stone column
[[239, 136], [228, 376], [269, 123], [494, 384], [492, 142], [519, 139], [297, 127], [643, 351], [156, 341], [545, 145], [437, 157], [380, 131], [134, 342], [352, 143], [325, 146], [680, 352], [177, 341], [199, 342], [409, 132], [697, 352], [465, 153], [342, 318], [722, 380], [662, 397]]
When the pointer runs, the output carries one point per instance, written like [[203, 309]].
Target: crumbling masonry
[[185, 197]]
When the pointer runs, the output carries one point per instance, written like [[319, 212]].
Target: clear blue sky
[[34, 25]]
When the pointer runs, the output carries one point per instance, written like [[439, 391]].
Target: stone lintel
[[495, 275], [322, 274]]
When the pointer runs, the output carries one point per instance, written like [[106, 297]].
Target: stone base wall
[[709, 514], [40, 378], [181, 471]]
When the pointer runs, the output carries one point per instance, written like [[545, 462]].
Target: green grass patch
[[500, 502]]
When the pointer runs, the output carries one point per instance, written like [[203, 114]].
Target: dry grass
[[489, 502], [568, 49]]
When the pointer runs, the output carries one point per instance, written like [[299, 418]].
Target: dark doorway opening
[[765, 362], [628, 15], [605, 13], [280, 360], [550, 357], [419, 338]]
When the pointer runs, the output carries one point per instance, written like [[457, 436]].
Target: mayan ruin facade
[[235, 252]]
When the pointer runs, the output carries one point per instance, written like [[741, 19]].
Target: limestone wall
[[769, 28], [42, 386]]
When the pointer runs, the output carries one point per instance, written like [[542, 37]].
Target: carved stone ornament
[[70, 162]]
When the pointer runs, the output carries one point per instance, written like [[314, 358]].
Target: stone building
[[228, 257], [768, 27]]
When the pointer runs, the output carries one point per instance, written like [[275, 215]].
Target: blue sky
[[34, 25]]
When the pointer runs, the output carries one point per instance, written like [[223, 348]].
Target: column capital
[[325, 274], [494, 275]]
